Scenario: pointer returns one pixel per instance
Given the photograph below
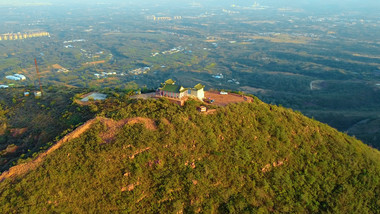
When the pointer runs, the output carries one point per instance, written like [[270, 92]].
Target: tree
[[3, 119]]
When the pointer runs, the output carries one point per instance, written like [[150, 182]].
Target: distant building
[[171, 90], [138, 71], [107, 73], [218, 76], [4, 86], [37, 93], [19, 36], [22, 77], [17, 77], [64, 70], [11, 77], [202, 109]]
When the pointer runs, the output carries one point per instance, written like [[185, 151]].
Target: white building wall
[[13, 78], [22, 77], [200, 94], [194, 93]]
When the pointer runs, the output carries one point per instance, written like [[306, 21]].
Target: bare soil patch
[[56, 66], [253, 90], [209, 111], [223, 100], [18, 131], [113, 126], [94, 63]]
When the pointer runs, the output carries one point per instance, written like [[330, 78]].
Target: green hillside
[[162, 158], [29, 125]]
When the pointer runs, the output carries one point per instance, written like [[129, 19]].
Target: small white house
[[16, 77], [11, 77], [22, 77], [4, 86], [37, 93], [202, 109], [218, 76]]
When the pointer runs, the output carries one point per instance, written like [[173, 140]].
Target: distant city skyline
[[205, 2]]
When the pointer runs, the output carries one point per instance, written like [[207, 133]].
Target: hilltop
[[152, 156]]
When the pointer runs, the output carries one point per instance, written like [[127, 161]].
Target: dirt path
[[24, 168], [314, 85]]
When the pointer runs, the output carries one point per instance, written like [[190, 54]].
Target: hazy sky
[[273, 2], [342, 4]]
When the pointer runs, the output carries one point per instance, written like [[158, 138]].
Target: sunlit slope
[[246, 157]]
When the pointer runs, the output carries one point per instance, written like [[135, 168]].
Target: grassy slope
[[43, 119], [196, 163]]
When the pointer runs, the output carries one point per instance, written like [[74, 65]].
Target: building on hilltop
[[171, 90], [197, 91]]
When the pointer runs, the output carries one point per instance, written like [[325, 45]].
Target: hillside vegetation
[[29, 125], [245, 158]]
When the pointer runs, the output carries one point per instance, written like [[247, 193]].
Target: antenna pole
[[38, 75]]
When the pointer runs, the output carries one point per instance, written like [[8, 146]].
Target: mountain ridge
[[247, 157], [24, 168]]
